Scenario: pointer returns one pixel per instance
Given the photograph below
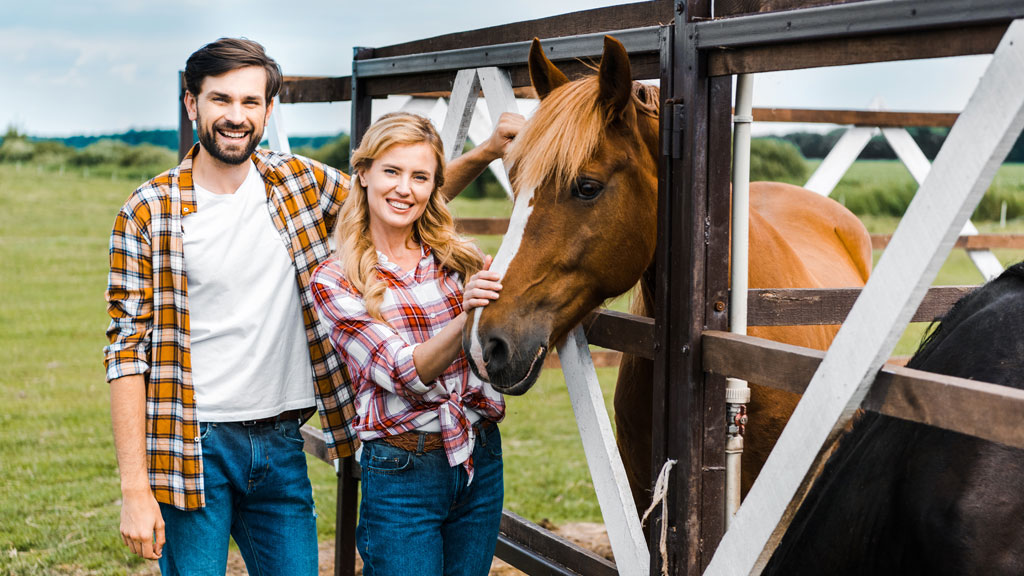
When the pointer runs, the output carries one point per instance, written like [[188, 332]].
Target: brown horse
[[584, 230]]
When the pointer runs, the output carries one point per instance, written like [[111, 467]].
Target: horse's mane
[[550, 147], [961, 311]]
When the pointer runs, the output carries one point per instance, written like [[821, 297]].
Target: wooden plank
[[314, 442], [842, 155], [460, 113], [634, 15], [917, 163], [807, 306], [520, 535], [680, 297], [185, 133], [977, 242], [297, 89], [627, 333], [717, 249], [964, 168], [855, 117], [970, 407], [607, 472], [845, 51], [644, 66]]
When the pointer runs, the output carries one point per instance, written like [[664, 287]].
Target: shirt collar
[[187, 187]]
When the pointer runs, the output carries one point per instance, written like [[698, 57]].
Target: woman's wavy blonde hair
[[354, 247]]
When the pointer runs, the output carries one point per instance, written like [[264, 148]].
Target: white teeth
[[233, 134], [399, 205]]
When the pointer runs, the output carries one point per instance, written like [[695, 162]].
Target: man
[[216, 354]]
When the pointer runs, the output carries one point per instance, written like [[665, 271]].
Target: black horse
[[904, 498]]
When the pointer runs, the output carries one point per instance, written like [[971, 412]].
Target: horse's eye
[[586, 189]]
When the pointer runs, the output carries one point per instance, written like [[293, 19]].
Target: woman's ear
[[362, 178]]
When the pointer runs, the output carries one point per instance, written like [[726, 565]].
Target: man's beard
[[234, 157]]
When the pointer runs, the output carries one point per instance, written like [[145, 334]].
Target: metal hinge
[[672, 141]]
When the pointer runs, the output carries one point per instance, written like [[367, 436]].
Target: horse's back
[[830, 242]]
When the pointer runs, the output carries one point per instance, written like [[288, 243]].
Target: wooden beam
[[855, 117], [977, 242], [636, 15], [807, 306], [644, 66], [621, 331], [845, 51], [529, 547], [988, 411], [316, 89]]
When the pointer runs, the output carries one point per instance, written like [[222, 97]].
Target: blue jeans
[[418, 517], [257, 490]]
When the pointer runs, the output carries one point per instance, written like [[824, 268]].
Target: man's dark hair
[[229, 54]]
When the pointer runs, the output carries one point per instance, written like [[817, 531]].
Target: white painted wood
[[839, 160], [422, 106], [277, 136], [976, 146], [460, 111], [606, 469], [479, 131], [917, 163], [500, 98]]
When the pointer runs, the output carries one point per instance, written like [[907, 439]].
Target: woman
[[432, 484]]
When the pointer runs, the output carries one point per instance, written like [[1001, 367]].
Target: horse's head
[[584, 224]]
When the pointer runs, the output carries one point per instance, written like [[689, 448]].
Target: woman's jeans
[[257, 490], [418, 516]]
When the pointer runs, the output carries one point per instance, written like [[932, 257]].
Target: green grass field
[[59, 490]]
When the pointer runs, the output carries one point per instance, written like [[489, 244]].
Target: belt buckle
[[249, 423]]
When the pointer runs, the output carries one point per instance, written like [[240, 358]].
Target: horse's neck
[[643, 299]]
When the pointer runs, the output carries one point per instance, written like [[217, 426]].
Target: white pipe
[[736, 391]]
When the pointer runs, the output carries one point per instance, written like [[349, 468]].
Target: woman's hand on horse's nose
[[482, 287]]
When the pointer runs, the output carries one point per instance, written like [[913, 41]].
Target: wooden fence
[[695, 55]]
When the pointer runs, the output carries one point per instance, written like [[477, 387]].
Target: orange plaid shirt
[[147, 296]]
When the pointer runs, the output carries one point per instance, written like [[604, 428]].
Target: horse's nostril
[[496, 354]]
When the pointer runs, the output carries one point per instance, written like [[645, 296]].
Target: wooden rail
[[966, 406]]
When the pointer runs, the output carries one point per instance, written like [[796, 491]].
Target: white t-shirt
[[250, 357]]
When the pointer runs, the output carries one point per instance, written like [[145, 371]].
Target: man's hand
[[142, 525], [509, 125]]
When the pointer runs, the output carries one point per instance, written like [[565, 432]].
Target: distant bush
[[334, 153], [776, 160], [16, 150]]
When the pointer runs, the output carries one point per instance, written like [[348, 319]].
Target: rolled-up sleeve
[[373, 351], [129, 297]]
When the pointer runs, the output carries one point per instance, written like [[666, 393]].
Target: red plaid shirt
[[147, 297], [390, 398]]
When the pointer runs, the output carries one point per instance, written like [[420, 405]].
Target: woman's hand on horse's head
[[482, 287], [508, 127]]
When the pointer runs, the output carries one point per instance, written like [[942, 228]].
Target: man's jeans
[[418, 517], [257, 490]]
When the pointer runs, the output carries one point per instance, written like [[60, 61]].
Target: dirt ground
[[590, 536]]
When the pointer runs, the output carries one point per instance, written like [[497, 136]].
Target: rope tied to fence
[[661, 496]]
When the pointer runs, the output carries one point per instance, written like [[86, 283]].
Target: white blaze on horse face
[[506, 252]]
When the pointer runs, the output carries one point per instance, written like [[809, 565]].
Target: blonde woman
[[393, 295]]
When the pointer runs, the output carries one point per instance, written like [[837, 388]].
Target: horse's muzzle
[[510, 368]]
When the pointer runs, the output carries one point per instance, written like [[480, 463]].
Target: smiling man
[[217, 355]]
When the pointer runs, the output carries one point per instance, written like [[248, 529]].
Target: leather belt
[[410, 441], [300, 414]]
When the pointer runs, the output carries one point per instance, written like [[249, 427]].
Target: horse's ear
[[615, 79], [544, 75]]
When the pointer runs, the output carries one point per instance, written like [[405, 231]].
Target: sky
[[106, 66]]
